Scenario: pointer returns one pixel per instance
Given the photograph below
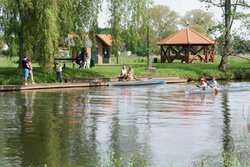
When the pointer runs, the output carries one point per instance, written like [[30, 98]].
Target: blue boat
[[138, 82]]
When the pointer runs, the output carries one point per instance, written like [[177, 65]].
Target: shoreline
[[78, 83]]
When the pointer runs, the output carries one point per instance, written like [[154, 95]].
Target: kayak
[[199, 90], [138, 82]]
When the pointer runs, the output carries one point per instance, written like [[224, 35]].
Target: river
[[158, 125]]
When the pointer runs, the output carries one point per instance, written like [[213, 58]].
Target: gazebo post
[[188, 54], [206, 53]]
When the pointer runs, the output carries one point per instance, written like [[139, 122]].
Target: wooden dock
[[77, 83]]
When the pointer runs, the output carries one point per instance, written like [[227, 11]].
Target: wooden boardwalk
[[77, 83]]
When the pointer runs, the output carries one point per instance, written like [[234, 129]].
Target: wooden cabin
[[187, 45], [72, 40], [104, 43]]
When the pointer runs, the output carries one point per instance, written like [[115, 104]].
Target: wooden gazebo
[[187, 45]]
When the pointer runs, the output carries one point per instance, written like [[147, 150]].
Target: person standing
[[87, 60], [26, 70], [30, 71], [59, 72]]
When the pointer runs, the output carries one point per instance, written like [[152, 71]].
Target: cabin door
[[94, 55], [106, 55]]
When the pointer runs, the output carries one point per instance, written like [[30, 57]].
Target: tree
[[128, 22], [163, 22], [38, 26], [116, 10], [34, 25], [199, 20], [230, 13], [47, 32]]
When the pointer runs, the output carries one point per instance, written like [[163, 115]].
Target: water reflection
[[228, 143], [81, 127]]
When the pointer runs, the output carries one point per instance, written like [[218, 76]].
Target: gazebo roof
[[186, 36], [105, 38]]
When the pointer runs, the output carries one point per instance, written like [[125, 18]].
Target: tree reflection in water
[[228, 143]]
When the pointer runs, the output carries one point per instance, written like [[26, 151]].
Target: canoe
[[199, 90], [138, 82]]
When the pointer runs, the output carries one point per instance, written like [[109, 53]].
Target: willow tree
[[37, 26], [116, 9], [128, 22], [10, 26], [66, 20], [13, 28], [230, 9], [46, 40]]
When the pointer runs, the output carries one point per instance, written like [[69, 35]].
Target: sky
[[179, 6], [183, 6]]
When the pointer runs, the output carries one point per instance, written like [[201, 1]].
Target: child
[[59, 72]]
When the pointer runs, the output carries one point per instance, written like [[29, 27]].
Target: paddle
[[196, 84]]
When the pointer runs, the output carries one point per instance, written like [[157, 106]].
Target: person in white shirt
[[213, 83], [123, 74]]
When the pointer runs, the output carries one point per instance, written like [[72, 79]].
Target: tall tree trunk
[[148, 45], [21, 33], [21, 46], [227, 38], [20, 36]]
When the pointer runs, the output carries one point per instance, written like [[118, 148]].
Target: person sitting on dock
[[123, 73], [130, 74]]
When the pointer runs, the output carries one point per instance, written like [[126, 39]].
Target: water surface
[[83, 127]]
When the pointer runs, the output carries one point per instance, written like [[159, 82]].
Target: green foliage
[[47, 32], [136, 160], [34, 26], [240, 45], [163, 21], [231, 11], [199, 20], [238, 69]]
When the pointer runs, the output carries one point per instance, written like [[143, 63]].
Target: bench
[[65, 59]]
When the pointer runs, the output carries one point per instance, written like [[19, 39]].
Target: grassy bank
[[238, 68]]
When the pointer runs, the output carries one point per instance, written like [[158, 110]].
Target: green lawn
[[237, 68]]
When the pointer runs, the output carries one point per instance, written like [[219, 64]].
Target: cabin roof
[[105, 38]]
